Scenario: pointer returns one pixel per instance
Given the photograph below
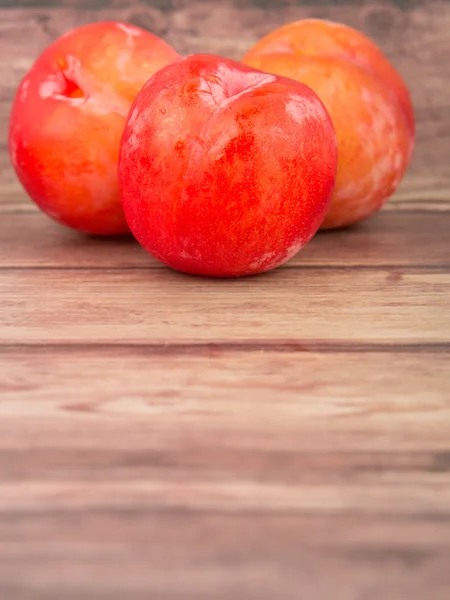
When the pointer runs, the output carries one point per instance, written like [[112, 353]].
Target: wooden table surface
[[273, 438]]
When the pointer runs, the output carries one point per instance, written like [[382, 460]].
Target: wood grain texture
[[184, 402], [252, 556], [224, 474], [390, 240], [160, 306], [280, 437]]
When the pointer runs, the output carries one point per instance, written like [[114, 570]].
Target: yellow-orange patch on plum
[[368, 102]]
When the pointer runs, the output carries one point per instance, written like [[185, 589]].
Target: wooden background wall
[[415, 34]]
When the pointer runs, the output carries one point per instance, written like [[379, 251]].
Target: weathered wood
[[413, 34], [390, 239], [160, 306], [292, 412], [141, 554], [278, 437], [223, 473]]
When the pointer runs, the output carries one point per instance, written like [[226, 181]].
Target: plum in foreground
[[225, 170]]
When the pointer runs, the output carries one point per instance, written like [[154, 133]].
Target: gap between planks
[[218, 348]]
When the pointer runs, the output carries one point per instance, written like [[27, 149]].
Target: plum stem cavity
[[65, 84]]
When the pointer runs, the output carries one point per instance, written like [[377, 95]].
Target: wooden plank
[[179, 556], [257, 557], [328, 470], [413, 35], [390, 239], [403, 306], [138, 412]]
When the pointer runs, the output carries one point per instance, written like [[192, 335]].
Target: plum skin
[[68, 116], [225, 170], [367, 99]]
